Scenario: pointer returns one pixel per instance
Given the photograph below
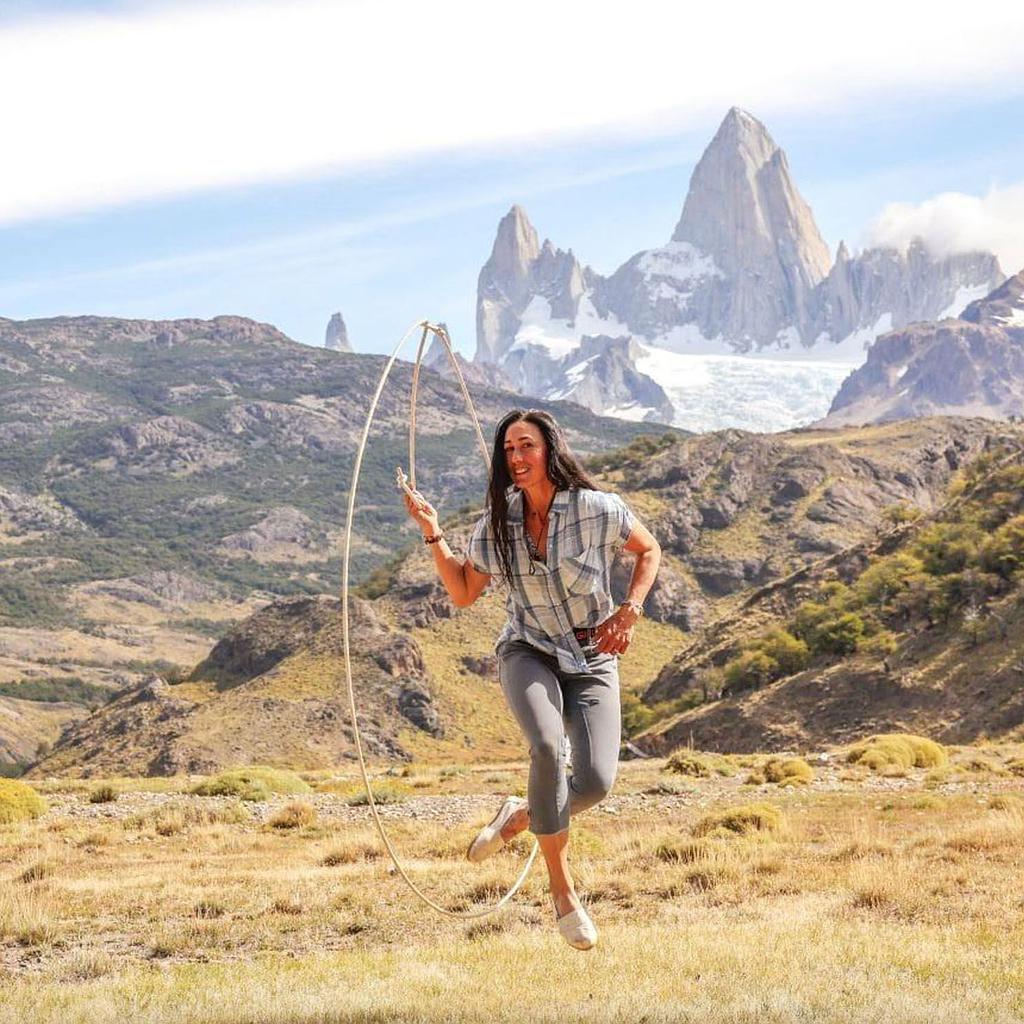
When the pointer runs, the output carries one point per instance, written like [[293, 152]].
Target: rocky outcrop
[[973, 365], [601, 374], [336, 335], [158, 589]]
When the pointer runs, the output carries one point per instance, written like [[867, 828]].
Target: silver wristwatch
[[638, 608]]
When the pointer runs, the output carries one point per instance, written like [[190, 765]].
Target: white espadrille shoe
[[577, 929], [488, 840]]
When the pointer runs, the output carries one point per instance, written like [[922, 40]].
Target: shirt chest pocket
[[580, 568]]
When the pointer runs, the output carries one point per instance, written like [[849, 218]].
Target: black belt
[[585, 635]]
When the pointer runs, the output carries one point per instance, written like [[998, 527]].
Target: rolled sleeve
[[481, 551], [621, 521]]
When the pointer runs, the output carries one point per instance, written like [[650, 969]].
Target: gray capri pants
[[549, 704]]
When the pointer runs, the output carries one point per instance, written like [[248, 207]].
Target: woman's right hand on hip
[[423, 514]]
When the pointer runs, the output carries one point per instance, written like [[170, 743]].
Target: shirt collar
[[515, 504]]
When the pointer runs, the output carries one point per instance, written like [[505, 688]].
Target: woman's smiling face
[[526, 454]]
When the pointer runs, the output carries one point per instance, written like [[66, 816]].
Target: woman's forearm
[[451, 572], [645, 572]]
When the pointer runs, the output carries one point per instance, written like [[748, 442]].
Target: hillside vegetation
[[922, 628], [161, 481]]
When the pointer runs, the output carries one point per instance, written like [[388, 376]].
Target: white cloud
[[955, 222], [112, 108]]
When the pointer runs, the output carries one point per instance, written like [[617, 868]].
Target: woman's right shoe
[[577, 929], [488, 840]]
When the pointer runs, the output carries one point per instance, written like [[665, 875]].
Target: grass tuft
[[742, 819], [297, 814], [103, 794]]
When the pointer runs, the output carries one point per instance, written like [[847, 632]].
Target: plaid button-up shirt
[[571, 589]]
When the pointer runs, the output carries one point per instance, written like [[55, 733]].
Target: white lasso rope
[[441, 333]]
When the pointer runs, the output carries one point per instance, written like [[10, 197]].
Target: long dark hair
[[563, 468]]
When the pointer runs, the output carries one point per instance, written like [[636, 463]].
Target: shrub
[[698, 766], [840, 634], [948, 547], [750, 670], [19, 802], [294, 815], [1003, 552], [829, 628], [383, 793], [104, 794], [900, 750], [685, 762], [253, 784], [789, 653], [1016, 766], [742, 820], [783, 771], [885, 579]]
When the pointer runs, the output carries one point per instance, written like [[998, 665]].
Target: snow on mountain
[[759, 393]]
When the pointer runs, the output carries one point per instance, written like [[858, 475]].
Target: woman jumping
[[551, 535]]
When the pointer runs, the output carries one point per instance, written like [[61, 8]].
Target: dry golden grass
[[877, 900]]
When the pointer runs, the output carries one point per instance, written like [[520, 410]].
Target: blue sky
[[313, 207]]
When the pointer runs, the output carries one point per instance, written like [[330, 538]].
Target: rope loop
[[440, 332]]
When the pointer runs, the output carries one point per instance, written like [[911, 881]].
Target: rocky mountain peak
[[515, 245], [336, 335], [741, 190], [745, 212]]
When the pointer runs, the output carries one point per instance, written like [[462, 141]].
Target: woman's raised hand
[[423, 513]]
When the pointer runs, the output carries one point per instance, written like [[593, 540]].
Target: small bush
[[252, 784], [383, 793], [899, 750], [19, 802], [685, 762], [742, 820], [1016, 766], [750, 670], [788, 771], [105, 794], [697, 765], [297, 814]]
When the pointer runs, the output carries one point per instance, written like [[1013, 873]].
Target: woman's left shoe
[[577, 929], [488, 840]]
